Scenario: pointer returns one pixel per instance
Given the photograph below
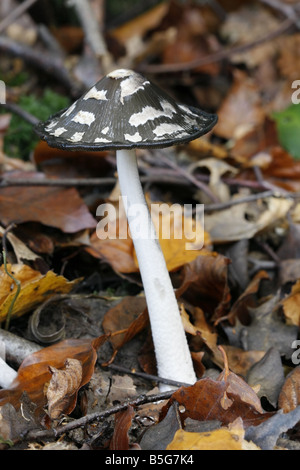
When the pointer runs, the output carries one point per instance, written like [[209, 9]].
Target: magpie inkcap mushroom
[[124, 111]]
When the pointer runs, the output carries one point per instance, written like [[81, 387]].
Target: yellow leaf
[[182, 238], [35, 288], [219, 439]]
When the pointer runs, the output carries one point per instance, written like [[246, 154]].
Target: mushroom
[[125, 111]]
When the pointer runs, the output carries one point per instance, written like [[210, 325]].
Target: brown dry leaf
[[217, 169], [35, 288], [241, 361], [34, 372], [63, 386], [283, 169], [129, 317], [141, 24], [201, 329], [204, 283], [121, 388], [231, 224], [118, 253], [242, 110], [291, 305], [123, 421], [203, 146], [226, 438], [289, 58], [210, 399], [289, 397], [21, 250], [237, 386], [247, 299], [242, 27], [225, 399], [192, 40], [55, 207], [69, 37]]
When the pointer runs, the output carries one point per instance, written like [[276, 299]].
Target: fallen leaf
[[182, 238], [158, 436], [291, 304], [266, 330], [238, 386], [35, 288], [268, 374], [205, 401], [123, 421], [242, 110], [121, 388], [128, 317], [241, 361], [55, 207], [288, 56], [21, 250], [265, 435], [289, 397], [204, 283], [241, 27], [233, 224], [34, 372], [141, 24], [63, 387], [217, 169], [226, 438], [247, 299]]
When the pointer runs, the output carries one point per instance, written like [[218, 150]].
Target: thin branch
[[218, 56], [15, 13], [89, 182], [252, 197], [288, 10], [50, 63], [98, 415], [14, 108], [190, 178], [92, 31], [143, 375]]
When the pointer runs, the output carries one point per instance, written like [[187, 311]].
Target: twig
[[16, 347], [14, 108], [242, 200], [288, 10], [92, 31], [191, 178], [218, 56], [141, 400], [147, 376], [49, 63], [67, 182], [16, 13]]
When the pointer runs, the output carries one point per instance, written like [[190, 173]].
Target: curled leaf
[[63, 387]]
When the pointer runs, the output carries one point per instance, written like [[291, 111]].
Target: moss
[[20, 138]]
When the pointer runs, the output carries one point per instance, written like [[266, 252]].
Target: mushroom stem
[[171, 348]]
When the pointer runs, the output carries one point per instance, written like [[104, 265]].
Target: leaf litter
[[92, 384]]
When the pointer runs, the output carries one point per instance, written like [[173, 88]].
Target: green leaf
[[288, 128]]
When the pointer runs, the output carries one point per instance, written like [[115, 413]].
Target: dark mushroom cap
[[124, 110]]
